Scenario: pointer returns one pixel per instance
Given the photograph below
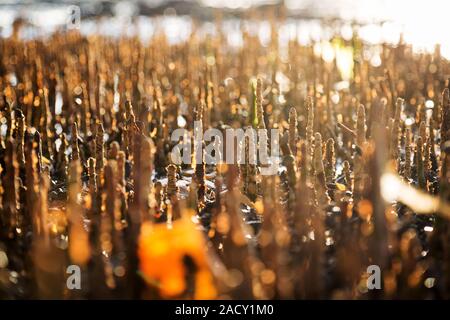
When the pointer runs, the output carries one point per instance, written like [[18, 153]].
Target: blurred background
[[421, 23]]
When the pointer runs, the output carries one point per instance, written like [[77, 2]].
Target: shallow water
[[422, 23]]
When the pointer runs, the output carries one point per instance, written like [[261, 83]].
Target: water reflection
[[420, 23]]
